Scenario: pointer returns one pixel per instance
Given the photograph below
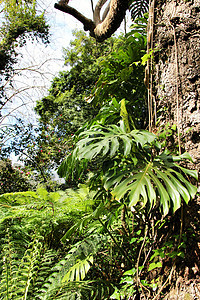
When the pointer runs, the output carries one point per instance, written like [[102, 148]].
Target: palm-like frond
[[78, 271], [109, 140], [103, 141], [138, 8], [73, 267]]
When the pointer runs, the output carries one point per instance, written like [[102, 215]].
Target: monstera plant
[[134, 169]]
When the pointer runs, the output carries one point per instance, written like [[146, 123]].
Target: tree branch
[[108, 26], [87, 23]]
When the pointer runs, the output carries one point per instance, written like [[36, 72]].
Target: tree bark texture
[[176, 88], [176, 70], [112, 21]]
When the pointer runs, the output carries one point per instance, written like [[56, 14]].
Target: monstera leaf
[[108, 140], [102, 141], [160, 179], [135, 173]]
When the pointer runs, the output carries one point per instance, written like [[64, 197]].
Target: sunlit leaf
[[153, 266], [79, 270]]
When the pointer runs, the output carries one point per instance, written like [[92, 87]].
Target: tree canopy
[[21, 19]]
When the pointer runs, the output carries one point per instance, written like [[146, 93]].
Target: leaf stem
[[138, 259], [116, 243]]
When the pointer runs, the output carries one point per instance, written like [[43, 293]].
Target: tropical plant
[[136, 178], [33, 260], [138, 8], [122, 76], [136, 184], [134, 167], [110, 246]]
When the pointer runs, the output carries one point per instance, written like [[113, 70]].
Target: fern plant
[[31, 225], [72, 268], [34, 263]]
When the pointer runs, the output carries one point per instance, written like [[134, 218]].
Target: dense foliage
[[113, 237], [32, 255], [20, 18], [13, 179], [91, 86], [87, 91]]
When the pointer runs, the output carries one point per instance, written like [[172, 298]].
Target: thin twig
[[138, 259], [164, 284], [177, 84], [92, 5]]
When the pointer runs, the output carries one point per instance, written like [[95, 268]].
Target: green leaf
[[153, 266], [130, 272], [107, 141], [185, 155], [127, 145], [76, 226], [171, 189], [164, 196], [157, 180], [114, 146], [181, 189], [158, 252], [79, 270], [143, 137], [192, 173], [190, 188]]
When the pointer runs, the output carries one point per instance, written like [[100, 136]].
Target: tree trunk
[[176, 78], [175, 90]]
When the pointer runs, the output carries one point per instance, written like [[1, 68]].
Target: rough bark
[[107, 27], [112, 21], [177, 67], [176, 87]]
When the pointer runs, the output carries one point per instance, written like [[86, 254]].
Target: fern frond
[[73, 267], [138, 8], [29, 223], [27, 270], [7, 267], [18, 268]]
